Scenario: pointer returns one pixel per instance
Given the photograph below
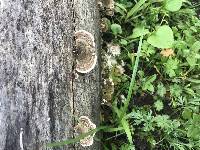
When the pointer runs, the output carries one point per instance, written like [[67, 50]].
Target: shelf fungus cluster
[[108, 6], [86, 56], [84, 126]]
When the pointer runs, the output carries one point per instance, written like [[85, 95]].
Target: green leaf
[[123, 42], [116, 29], [193, 80], [120, 9], [147, 50], [193, 55], [147, 84], [162, 38], [132, 84], [126, 127], [187, 113], [161, 90], [194, 128], [189, 91], [121, 6], [135, 9], [176, 90], [127, 147], [158, 105], [171, 66], [162, 121], [76, 139], [173, 5], [196, 46], [138, 31], [113, 147], [191, 59]]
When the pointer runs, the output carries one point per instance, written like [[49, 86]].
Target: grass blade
[[135, 67], [77, 139], [135, 9]]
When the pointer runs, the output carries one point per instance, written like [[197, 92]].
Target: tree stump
[[39, 96]]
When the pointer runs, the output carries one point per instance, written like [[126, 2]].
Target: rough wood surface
[[87, 87], [37, 90]]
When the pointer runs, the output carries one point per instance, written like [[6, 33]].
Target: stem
[[135, 67]]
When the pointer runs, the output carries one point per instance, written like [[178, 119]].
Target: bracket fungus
[[84, 126], [86, 56], [105, 24], [107, 6]]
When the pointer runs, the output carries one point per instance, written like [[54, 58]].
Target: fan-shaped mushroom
[[84, 126], [86, 57]]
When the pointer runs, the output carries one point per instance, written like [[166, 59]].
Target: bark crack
[[73, 65]]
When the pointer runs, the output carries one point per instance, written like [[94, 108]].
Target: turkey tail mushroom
[[86, 57], [85, 125]]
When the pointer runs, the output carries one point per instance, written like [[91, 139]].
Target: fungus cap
[[86, 58], [84, 126]]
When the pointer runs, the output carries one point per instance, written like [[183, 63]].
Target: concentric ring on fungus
[[86, 57], [84, 126]]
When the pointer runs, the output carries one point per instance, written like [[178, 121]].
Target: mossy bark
[[38, 91]]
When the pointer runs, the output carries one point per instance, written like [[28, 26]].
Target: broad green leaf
[[173, 5], [138, 31], [162, 38], [116, 29]]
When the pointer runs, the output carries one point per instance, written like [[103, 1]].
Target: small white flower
[[111, 61], [115, 50], [123, 98], [111, 81], [122, 63], [120, 69], [104, 101]]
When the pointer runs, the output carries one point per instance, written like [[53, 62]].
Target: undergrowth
[[152, 59]]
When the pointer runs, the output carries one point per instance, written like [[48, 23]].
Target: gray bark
[[37, 90]]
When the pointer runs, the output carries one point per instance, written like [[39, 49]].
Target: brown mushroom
[[86, 57], [84, 126]]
